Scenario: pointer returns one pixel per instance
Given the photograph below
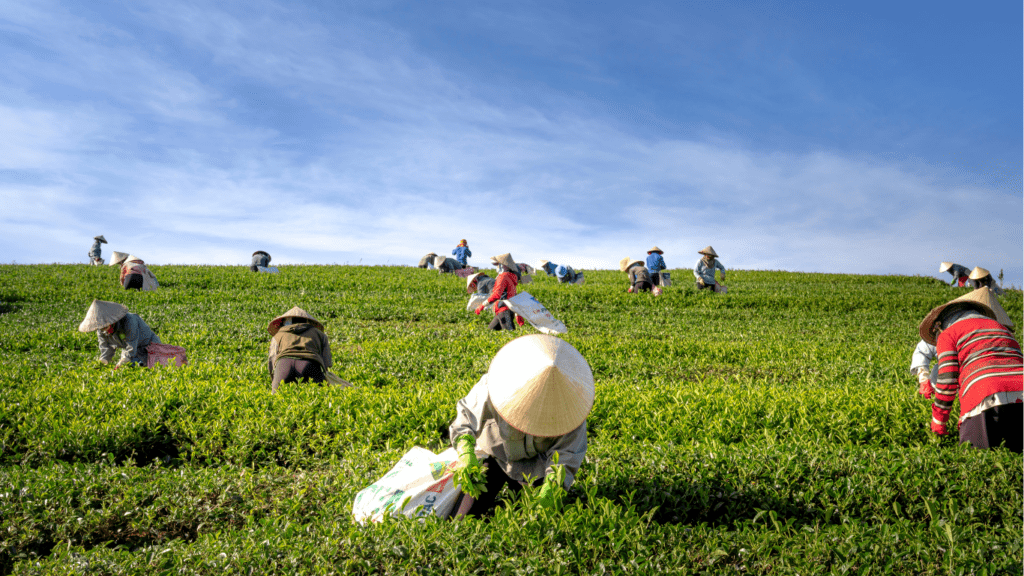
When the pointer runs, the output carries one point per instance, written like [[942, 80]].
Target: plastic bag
[[721, 288], [476, 300], [419, 484], [165, 354], [535, 313], [267, 269], [666, 279]]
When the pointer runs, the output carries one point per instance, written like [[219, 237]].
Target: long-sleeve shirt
[[980, 363], [261, 259], [959, 272], [95, 251], [707, 273], [484, 285], [566, 275], [504, 288], [516, 452], [986, 281], [639, 274], [655, 263], [462, 254], [303, 341], [550, 268], [922, 357], [131, 335]]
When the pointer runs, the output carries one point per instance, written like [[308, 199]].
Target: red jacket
[[504, 288]]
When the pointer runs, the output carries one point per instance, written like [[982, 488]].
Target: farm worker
[[655, 264], [427, 261], [983, 278], [639, 277], [528, 415], [549, 267], [462, 253], [504, 288], [446, 265], [259, 259], [480, 283], [298, 349], [95, 252], [704, 270], [566, 275], [980, 362], [920, 366], [960, 273], [116, 328], [135, 275]]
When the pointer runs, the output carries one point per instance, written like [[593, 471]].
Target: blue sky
[[831, 137]]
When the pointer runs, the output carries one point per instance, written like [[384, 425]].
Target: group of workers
[[976, 278], [135, 275]]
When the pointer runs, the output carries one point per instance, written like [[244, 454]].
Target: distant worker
[[566, 275], [549, 267], [639, 277], [980, 363], [921, 367], [981, 278], [462, 253], [299, 349], [95, 253], [260, 259], [655, 264], [479, 283], [528, 415], [960, 273], [447, 265], [704, 270], [118, 329], [135, 275], [504, 288], [427, 261]]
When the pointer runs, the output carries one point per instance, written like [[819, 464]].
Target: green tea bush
[[772, 430]]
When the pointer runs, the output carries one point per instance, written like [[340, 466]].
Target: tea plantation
[[772, 430]]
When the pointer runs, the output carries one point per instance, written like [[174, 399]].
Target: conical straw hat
[[543, 263], [541, 385], [978, 273], [505, 260], [624, 264], [132, 257], [295, 312], [102, 314], [438, 260], [117, 258], [100, 238], [709, 251], [943, 266], [469, 281], [655, 249], [982, 299]]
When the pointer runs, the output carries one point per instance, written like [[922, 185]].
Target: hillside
[[772, 430]]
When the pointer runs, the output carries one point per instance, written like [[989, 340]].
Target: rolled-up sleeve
[[571, 449]]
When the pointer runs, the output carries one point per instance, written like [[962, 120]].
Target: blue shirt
[[550, 268], [707, 273], [655, 263], [462, 254]]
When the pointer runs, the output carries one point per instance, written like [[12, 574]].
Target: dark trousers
[[995, 426], [701, 286], [294, 369], [642, 287], [503, 321], [254, 268], [132, 282], [496, 478], [656, 278]]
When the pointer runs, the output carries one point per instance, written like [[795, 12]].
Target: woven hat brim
[[541, 385], [470, 279], [117, 258], [100, 238], [709, 251], [655, 249], [978, 273], [624, 264], [943, 266], [981, 299], [438, 260], [295, 312], [505, 260], [102, 314]]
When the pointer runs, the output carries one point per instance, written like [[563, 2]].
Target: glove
[[924, 387], [469, 474], [519, 320], [630, 289], [480, 309], [551, 492], [939, 429]]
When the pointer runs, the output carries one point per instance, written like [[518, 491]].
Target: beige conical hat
[[102, 314], [943, 266], [295, 312], [543, 263], [438, 260], [132, 257], [541, 385], [655, 249], [117, 258], [709, 251], [982, 299], [469, 281], [978, 273], [100, 238], [505, 260], [624, 264]]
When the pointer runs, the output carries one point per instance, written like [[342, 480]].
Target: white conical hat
[[100, 238], [117, 258], [943, 266], [133, 257], [541, 385], [709, 251], [438, 260], [295, 312], [624, 264], [102, 314], [505, 260], [470, 279], [654, 249], [982, 299], [978, 273]]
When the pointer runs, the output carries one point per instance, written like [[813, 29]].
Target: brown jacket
[[303, 341]]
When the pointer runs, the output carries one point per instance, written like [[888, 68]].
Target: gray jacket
[[131, 335], [95, 251], [707, 273], [260, 259], [517, 453]]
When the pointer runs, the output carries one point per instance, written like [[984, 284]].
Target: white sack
[[535, 313]]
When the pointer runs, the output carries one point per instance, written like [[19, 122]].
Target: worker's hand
[[519, 320], [630, 289], [480, 308], [924, 388], [469, 474], [939, 429], [551, 492]]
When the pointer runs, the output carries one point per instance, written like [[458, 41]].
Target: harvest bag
[[420, 484], [476, 300], [720, 288], [666, 279], [535, 313], [165, 354], [267, 269], [465, 272]]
